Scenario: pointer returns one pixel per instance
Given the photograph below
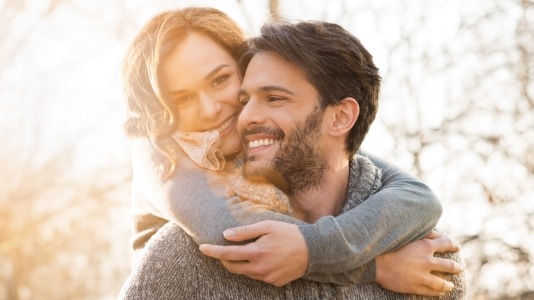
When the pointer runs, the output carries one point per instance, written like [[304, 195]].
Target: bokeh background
[[457, 110]]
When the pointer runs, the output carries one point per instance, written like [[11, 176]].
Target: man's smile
[[261, 142]]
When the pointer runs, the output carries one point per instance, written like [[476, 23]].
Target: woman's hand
[[409, 269]]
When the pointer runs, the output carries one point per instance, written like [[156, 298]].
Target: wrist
[[379, 270]]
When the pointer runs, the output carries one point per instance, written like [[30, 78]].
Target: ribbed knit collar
[[364, 180]]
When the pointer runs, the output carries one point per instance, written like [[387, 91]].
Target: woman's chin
[[231, 145], [229, 151]]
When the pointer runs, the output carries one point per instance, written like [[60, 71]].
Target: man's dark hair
[[334, 62]]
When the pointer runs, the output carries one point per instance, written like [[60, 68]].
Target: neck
[[325, 199]]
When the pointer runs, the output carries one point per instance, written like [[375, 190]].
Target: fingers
[[261, 272], [437, 286], [442, 245], [237, 267], [233, 253], [445, 265], [434, 235], [247, 232], [258, 271], [428, 291]]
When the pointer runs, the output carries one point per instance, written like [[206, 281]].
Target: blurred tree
[[274, 9], [457, 101], [58, 211]]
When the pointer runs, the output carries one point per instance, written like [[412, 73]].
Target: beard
[[299, 164]]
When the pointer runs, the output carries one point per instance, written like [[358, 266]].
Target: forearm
[[350, 261], [419, 208], [363, 274], [196, 199], [359, 235], [403, 210], [209, 216]]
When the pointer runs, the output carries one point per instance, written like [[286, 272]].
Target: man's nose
[[251, 114], [209, 106]]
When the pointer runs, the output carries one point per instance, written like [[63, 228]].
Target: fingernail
[[450, 286], [228, 233], [455, 244]]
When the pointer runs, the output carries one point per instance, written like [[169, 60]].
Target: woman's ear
[[344, 116]]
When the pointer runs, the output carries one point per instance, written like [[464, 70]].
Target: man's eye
[[275, 98], [243, 101]]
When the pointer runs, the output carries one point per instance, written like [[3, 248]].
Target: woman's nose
[[209, 107]]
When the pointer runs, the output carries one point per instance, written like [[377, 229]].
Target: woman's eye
[[243, 101], [184, 99], [220, 80]]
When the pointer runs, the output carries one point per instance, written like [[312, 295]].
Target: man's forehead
[[267, 69], [266, 63]]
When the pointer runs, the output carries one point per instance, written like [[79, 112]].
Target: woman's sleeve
[[402, 210], [194, 198]]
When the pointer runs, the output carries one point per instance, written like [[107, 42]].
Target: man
[[310, 93]]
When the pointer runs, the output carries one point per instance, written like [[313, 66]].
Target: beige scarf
[[202, 148]]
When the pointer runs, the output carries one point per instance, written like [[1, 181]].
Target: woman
[[181, 86]]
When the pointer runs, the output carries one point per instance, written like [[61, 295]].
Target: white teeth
[[259, 143], [225, 125]]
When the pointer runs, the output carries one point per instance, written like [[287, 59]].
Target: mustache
[[274, 132]]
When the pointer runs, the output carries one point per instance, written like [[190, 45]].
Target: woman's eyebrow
[[207, 77], [215, 71]]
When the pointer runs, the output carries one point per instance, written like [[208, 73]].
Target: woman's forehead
[[194, 59]]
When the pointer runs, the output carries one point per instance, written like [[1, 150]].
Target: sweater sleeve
[[195, 200], [403, 210]]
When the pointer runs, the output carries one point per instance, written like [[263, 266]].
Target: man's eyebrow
[[269, 88], [207, 77], [266, 88]]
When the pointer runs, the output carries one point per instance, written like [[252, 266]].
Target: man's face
[[281, 125]]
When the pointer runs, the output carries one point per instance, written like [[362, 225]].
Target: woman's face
[[200, 79]]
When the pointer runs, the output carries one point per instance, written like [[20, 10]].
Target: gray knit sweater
[[171, 267], [404, 209]]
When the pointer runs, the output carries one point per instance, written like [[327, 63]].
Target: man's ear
[[344, 116]]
